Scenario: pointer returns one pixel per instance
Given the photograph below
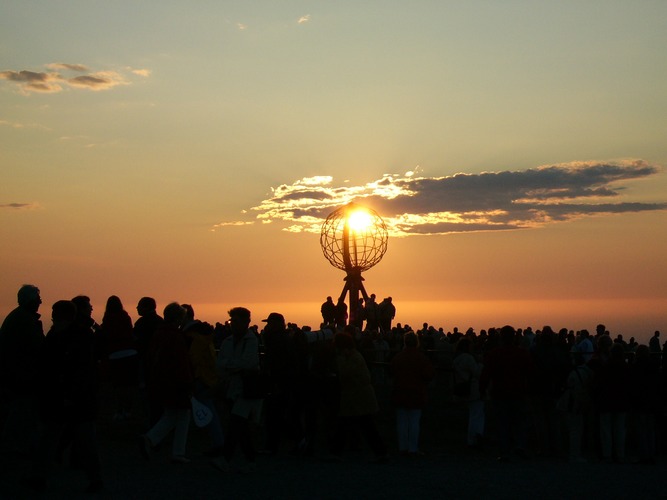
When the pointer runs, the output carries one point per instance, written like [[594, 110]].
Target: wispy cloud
[[31, 81], [304, 19], [141, 72], [412, 204], [232, 223], [18, 125], [55, 80], [66, 66], [19, 206], [102, 80]]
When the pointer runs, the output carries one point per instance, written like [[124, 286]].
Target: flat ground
[[448, 469]]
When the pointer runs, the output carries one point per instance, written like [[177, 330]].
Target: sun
[[359, 220]]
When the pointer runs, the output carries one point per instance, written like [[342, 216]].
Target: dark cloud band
[[490, 201]]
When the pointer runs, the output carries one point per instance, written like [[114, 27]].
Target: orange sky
[[515, 150]]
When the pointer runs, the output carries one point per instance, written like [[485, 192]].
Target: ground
[[448, 469]]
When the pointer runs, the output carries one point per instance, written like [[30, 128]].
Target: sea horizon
[[630, 318]]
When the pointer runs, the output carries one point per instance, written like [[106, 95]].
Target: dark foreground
[[448, 469]]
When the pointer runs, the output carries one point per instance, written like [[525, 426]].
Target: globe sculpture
[[354, 239]]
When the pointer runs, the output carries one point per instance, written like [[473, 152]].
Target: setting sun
[[220, 150], [359, 220]]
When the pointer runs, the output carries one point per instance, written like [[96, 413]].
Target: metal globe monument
[[354, 239]]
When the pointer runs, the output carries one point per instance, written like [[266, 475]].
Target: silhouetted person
[[466, 368], [552, 366], [116, 333], [381, 354], [506, 373], [386, 314], [239, 355], [646, 403], [654, 343], [341, 313], [585, 345], [328, 310], [21, 342], [612, 385], [575, 402], [600, 330], [358, 404], [280, 362], [84, 315], [371, 313], [202, 358], [170, 384], [90, 328], [69, 396], [146, 325], [412, 371], [144, 328], [321, 390]]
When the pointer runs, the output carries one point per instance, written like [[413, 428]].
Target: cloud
[[53, 81], [142, 72], [19, 206], [412, 204], [232, 223], [72, 67], [304, 19], [18, 125], [30, 81], [102, 80]]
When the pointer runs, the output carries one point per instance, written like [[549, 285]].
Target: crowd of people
[[554, 393]]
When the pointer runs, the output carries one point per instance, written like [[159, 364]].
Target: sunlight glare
[[359, 221]]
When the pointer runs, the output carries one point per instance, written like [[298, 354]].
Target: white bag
[[201, 413]]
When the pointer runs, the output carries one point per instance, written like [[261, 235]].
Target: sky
[[192, 151]]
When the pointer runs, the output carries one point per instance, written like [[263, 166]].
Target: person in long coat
[[412, 371], [358, 404]]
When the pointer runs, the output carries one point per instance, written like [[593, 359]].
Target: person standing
[[21, 342], [645, 402], [575, 403], [612, 392], [144, 328], [386, 314], [328, 310], [170, 384], [468, 370], [341, 313], [654, 343], [68, 401], [203, 358], [412, 371], [84, 316], [506, 374], [371, 314], [118, 346], [358, 404], [280, 363], [239, 356]]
